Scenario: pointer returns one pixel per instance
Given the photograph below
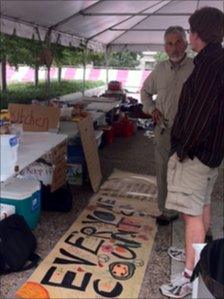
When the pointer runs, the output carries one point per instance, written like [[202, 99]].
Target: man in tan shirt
[[166, 82]]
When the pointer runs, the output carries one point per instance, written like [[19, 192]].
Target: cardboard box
[[57, 158]]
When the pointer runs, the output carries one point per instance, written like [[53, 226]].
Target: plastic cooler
[[25, 196]]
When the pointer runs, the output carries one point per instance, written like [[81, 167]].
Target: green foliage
[[160, 56], [35, 50], [98, 59], [25, 93], [24, 51], [64, 56], [125, 59], [67, 56], [18, 50]]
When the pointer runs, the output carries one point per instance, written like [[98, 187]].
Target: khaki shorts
[[190, 184]]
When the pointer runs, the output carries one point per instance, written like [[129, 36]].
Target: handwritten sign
[[58, 159], [91, 153], [103, 254], [35, 118]]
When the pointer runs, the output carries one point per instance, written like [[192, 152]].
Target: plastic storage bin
[[9, 147], [77, 168], [75, 174], [25, 196]]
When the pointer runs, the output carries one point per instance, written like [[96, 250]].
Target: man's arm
[[148, 89]]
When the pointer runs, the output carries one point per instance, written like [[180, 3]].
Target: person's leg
[[207, 218], [161, 177], [190, 185], [194, 233], [162, 149]]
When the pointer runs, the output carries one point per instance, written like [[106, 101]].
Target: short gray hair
[[176, 29]]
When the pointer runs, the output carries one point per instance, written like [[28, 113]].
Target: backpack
[[17, 245], [211, 267]]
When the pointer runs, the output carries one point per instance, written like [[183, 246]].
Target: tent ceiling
[[120, 24]]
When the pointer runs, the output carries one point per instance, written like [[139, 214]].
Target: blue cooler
[[25, 196]]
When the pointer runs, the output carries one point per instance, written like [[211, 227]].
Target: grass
[[24, 93]]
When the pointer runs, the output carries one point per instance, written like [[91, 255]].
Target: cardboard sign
[[104, 254], [136, 188], [59, 175], [90, 148], [35, 118], [58, 159]]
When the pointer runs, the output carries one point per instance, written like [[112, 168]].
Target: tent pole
[[106, 61], [0, 76], [84, 71]]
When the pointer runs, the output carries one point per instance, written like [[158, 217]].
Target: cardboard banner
[[35, 118], [103, 254], [134, 187], [90, 148]]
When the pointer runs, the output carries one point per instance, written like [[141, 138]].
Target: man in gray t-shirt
[[166, 82]]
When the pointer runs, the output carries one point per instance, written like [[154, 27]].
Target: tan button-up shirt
[[166, 82]]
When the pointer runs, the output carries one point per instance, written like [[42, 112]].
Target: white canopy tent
[[99, 24]]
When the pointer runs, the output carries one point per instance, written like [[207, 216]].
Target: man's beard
[[177, 58]]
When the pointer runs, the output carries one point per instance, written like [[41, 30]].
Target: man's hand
[[156, 116]]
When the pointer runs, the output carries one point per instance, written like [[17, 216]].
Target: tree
[[66, 56], [27, 52], [33, 59], [98, 59], [160, 56], [8, 54], [8, 44], [3, 52], [125, 59]]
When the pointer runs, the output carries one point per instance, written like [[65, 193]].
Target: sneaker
[[178, 288], [177, 254]]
